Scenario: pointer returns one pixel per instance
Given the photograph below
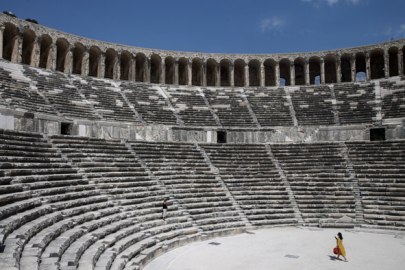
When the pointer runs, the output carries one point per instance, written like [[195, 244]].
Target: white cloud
[[402, 29], [270, 24], [389, 31], [331, 2]]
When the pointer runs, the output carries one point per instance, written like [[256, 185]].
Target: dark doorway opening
[[66, 129], [377, 134], [221, 136]]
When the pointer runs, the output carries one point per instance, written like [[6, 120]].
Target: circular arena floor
[[288, 248]]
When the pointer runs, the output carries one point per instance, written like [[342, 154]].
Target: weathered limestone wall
[[20, 121]]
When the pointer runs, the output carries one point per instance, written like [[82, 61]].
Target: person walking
[[164, 209], [340, 247]]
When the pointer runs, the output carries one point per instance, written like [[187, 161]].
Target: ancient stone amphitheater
[[94, 135]]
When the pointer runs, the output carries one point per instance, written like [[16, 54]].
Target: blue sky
[[223, 26]]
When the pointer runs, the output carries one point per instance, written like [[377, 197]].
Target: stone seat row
[[73, 96], [381, 184]]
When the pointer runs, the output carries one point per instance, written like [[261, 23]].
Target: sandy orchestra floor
[[267, 249]]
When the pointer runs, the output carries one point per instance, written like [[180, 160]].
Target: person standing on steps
[[164, 210], [340, 247]]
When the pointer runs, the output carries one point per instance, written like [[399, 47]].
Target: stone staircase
[[287, 185], [253, 181]]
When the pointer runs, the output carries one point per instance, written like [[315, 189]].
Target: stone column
[[400, 63], [277, 73], [353, 67], [386, 64], [231, 74], [204, 73], [16, 56], [189, 72], [36, 52], [322, 71], [218, 71], [162, 79], [132, 69], [146, 73], [20, 48], [85, 61], [262, 75], [368, 70], [246, 75], [176, 72], [292, 73], [68, 68], [52, 57], [338, 69], [101, 66], [307, 81], [1, 40], [117, 67]]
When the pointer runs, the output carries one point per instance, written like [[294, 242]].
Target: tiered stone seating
[[107, 99], [355, 103], [149, 103], [270, 106], [393, 99], [38, 189], [230, 107], [313, 105], [380, 170], [131, 225], [18, 94], [191, 107], [318, 178], [254, 182], [61, 93], [183, 170]]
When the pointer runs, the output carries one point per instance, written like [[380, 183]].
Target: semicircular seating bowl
[[72, 202]]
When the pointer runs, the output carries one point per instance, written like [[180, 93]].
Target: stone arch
[[125, 65], [403, 60], [330, 68], [155, 68], [28, 54], [141, 65], [346, 68], [110, 58], [94, 58], [78, 53], [169, 70], [360, 66], [183, 71], [393, 61], [62, 48], [211, 72], [377, 64], [285, 71], [269, 72], [254, 72], [239, 72], [44, 51], [299, 67], [196, 72], [225, 69], [10, 42], [314, 70]]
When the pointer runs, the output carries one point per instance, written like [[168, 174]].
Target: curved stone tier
[[40, 46], [70, 202], [52, 102]]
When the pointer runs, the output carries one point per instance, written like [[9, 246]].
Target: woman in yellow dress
[[340, 246]]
